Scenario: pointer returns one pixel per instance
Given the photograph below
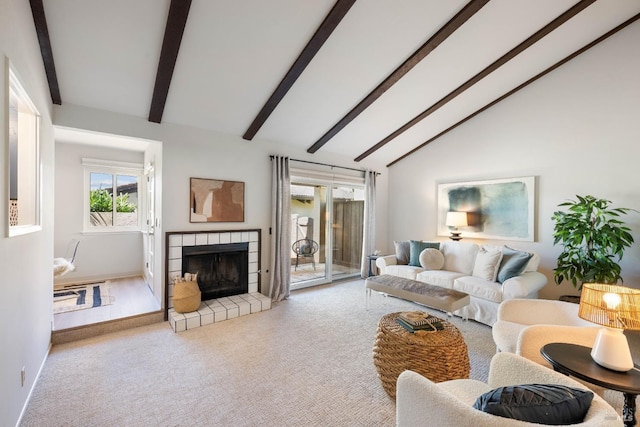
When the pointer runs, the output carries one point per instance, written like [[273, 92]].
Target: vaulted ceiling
[[371, 79]]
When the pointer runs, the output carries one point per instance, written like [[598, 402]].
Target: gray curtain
[[280, 264], [369, 232]]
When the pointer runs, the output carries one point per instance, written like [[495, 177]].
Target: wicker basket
[[439, 356], [186, 296]]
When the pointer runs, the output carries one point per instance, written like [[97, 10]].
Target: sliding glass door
[[326, 234]]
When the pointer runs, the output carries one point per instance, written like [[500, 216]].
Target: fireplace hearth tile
[[232, 308], [243, 306], [218, 310], [254, 304], [193, 320], [177, 321], [206, 314], [265, 301]]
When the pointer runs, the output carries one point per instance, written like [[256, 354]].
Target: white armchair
[[525, 325], [421, 402]]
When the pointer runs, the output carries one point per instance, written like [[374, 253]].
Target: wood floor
[[132, 297]]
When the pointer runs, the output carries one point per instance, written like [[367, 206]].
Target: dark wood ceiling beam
[[430, 45], [176, 22], [523, 85], [321, 35], [567, 15], [42, 30]]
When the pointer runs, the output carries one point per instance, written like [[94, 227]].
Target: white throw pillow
[[431, 259], [487, 264]]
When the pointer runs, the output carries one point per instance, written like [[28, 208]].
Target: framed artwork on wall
[[214, 200], [501, 209]]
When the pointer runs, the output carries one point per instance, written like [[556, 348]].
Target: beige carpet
[[305, 362]]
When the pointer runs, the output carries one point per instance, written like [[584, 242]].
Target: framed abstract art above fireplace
[[213, 200], [502, 209]]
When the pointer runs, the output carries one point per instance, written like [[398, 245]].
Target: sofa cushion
[[479, 288], [548, 404], [431, 259], [513, 263], [441, 278], [406, 271], [533, 263], [459, 256], [487, 264], [402, 252], [416, 247]]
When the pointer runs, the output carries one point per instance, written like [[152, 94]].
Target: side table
[[575, 360], [372, 259]]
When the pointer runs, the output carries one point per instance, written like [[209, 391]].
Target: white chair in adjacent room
[[64, 265]]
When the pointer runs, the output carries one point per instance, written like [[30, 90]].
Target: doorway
[[326, 234], [128, 260]]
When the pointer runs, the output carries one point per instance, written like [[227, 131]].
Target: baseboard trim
[[33, 386], [95, 329]]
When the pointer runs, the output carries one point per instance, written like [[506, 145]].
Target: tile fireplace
[[227, 262]]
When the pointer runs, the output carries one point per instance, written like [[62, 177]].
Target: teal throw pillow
[[416, 247], [513, 263], [548, 404]]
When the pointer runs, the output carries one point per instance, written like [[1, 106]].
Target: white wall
[[577, 130], [25, 261], [96, 257], [189, 152]]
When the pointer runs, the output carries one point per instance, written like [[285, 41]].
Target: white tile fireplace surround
[[176, 240]]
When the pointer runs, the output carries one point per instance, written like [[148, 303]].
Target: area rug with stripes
[[81, 296]]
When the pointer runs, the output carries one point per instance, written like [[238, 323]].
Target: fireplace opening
[[222, 269]]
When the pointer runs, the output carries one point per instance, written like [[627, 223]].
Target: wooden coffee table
[[572, 359]]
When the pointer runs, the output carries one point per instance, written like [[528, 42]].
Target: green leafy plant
[[123, 204], [100, 201], [593, 239]]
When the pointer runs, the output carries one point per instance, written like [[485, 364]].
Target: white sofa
[[461, 270]]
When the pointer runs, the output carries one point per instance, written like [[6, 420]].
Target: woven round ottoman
[[439, 356]]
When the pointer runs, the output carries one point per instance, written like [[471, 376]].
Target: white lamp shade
[[456, 219]]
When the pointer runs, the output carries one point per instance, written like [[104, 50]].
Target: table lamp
[[616, 308], [455, 220]]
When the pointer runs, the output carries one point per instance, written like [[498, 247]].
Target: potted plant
[[593, 239]]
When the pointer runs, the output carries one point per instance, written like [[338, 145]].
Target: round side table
[[573, 359], [439, 355]]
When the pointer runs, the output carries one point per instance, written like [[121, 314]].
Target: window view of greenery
[[110, 208]]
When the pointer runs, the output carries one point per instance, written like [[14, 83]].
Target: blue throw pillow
[[416, 246], [513, 263], [548, 404]]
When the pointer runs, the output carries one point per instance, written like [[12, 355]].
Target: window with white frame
[[24, 159], [112, 191]]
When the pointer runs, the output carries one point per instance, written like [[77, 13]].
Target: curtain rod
[[325, 164]]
